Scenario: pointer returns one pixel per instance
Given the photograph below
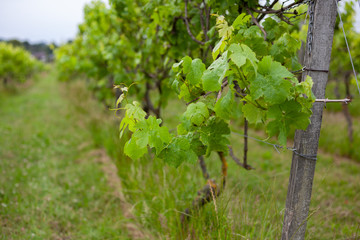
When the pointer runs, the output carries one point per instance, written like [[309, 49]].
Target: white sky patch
[[357, 19], [53, 20], [41, 20]]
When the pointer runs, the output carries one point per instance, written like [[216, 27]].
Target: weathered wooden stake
[[317, 57]]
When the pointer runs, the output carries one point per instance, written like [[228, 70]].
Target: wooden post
[[317, 57]]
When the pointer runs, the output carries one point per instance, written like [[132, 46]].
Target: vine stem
[[225, 83], [203, 167], [257, 23], [224, 167], [281, 10], [237, 160], [245, 142], [188, 25]]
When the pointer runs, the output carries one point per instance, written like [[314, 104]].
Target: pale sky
[[50, 20], [40, 20]]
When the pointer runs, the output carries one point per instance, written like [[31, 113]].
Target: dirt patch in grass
[[135, 230]]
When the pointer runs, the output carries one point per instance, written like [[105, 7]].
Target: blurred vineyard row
[[17, 64]]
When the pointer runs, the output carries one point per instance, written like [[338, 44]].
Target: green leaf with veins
[[223, 107], [150, 133], [196, 145], [223, 27], [189, 93], [134, 113], [195, 73], [240, 53], [304, 95], [270, 82], [284, 116], [237, 55], [176, 66], [285, 48], [133, 150], [197, 113], [241, 20], [305, 87], [214, 135], [254, 39], [269, 67], [252, 113], [273, 28], [186, 64], [274, 90], [219, 48], [178, 151], [213, 76]]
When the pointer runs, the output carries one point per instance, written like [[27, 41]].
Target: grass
[[354, 106], [50, 185], [251, 206], [334, 137]]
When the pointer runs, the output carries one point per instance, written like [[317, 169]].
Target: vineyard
[[186, 119], [17, 65]]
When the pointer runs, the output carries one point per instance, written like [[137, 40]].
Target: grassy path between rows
[[58, 182], [51, 184]]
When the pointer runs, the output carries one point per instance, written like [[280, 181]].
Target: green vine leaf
[[133, 114], [241, 20], [305, 87], [195, 143], [214, 135], [223, 107], [284, 49], [213, 76], [197, 113], [178, 151], [195, 73], [219, 48], [253, 114], [150, 133], [270, 82], [240, 53], [186, 62], [283, 117], [132, 149], [223, 27]]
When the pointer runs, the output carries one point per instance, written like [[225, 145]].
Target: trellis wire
[[347, 45], [277, 147]]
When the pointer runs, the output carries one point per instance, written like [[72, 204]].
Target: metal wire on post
[[311, 25], [277, 147]]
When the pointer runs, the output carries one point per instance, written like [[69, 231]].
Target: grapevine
[[271, 93], [239, 64], [16, 64]]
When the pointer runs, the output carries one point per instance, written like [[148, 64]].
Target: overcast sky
[[40, 20], [49, 20]]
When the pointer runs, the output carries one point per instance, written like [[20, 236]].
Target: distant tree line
[[41, 51]]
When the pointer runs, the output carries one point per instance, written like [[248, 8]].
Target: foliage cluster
[[236, 71], [343, 84], [340, 65], [16, 64], [239, 81]]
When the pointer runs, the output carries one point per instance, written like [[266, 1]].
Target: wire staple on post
[[310, 157]]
